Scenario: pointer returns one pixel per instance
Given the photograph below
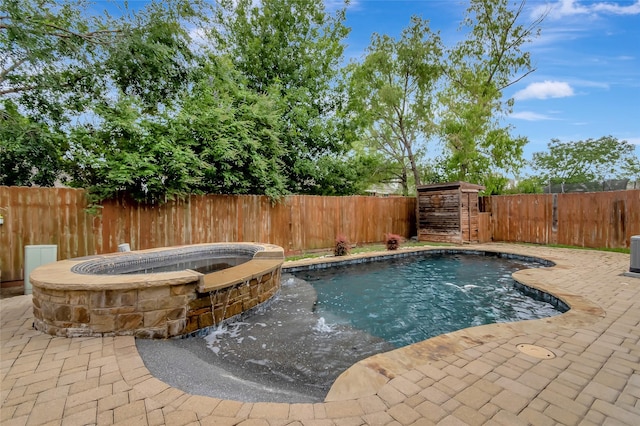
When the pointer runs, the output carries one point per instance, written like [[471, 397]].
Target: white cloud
[[589, 83], [333, 5], [634, 141], [544, 90], [530, 116], [632, 9], [560, 9], [564, 8]]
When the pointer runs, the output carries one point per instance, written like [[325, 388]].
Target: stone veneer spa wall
[[75, 297]]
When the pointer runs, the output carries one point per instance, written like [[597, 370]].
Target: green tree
[[49, 52], [527, 185], [133, 155], [591, 160], [490, 59], [61, 66], [58, 58], [220, 138], [30, 153], [352, 173], [234, 131], [154, 60], [392, 92], [296, 47], [45, 71]]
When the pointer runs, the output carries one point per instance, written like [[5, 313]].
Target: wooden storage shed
[[448, 212]]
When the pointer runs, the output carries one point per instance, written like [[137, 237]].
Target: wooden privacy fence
[[57, 216], [594, 219]]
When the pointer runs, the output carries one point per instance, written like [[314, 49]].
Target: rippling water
[[408, 300]]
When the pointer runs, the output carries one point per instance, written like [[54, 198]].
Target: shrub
[[393, 241], [342, 246]]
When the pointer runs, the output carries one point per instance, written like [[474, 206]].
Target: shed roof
[[450, 185]]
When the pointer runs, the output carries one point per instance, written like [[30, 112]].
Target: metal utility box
[[448, 212], [635, 254], [35, 256]]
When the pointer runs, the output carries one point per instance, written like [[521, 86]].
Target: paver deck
[[474, 376]]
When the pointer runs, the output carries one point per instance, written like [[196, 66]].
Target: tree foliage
[[30, 153], [153, 60], [413, 91], [221, 138], [490, 59], [130, 104], [295, 47], [58, 58], [49, 55], [591, 160], [62, 68], [234, 131], [392, 92], [127, 154]]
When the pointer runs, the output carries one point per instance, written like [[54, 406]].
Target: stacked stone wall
[[71, 300], [156, 312]]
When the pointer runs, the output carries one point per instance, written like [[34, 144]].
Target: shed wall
[[448, 212], [439, 214]]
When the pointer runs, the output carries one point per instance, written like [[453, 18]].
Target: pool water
[[411, 299], [204, 266], [322, 322], [204, 263]]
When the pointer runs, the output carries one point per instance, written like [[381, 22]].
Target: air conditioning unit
[[635, 254]]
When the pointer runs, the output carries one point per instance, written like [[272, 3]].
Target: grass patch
[[614, 250], [360, 249]]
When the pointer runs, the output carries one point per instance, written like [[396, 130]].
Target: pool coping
[[62, 275], [366, 377]]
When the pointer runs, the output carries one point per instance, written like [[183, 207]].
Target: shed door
[[469, 216]]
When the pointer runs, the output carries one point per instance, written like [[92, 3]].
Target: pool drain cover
[[536, 351]]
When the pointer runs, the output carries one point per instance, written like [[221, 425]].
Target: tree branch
[[511, 83], [11, 68], [91, 37], [17, 90]]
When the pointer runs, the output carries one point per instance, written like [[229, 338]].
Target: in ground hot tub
[[155, 293]]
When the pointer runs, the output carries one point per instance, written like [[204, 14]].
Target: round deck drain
[[536, 351]]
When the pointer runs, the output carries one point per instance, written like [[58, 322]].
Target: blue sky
[[587, 59]]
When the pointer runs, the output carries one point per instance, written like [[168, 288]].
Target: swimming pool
[[410, 299], [324, 321]]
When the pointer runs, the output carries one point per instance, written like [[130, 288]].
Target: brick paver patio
[[474, 376]]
